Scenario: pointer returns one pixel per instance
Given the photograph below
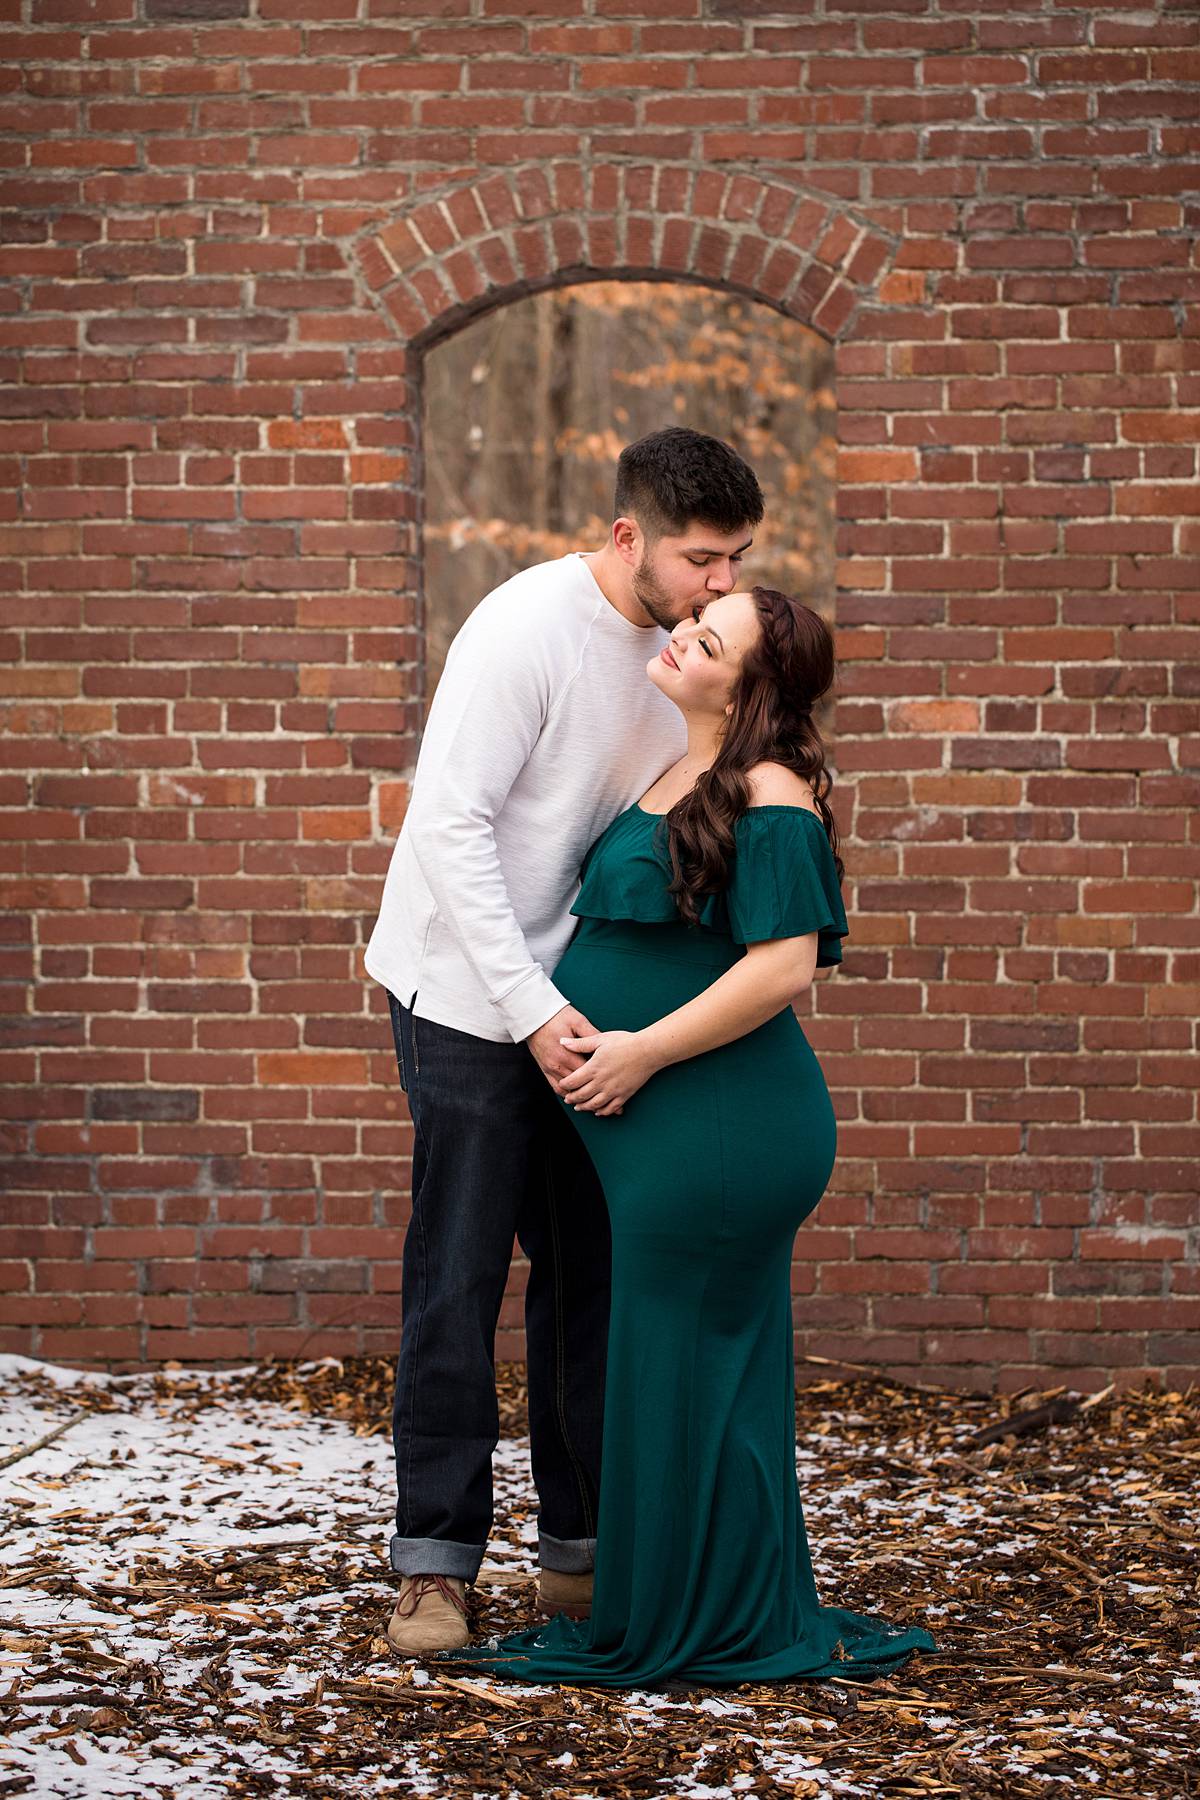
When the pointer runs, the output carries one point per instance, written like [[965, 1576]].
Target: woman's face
[[700, 665]]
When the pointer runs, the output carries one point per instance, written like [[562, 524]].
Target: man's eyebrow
[[705, 550]]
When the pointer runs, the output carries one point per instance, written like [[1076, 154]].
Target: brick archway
[[466, 248]]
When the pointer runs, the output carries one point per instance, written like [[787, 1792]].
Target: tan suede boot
[[430, 1614], [571, 1594]]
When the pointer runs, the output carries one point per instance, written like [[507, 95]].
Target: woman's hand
[[619, 1063]]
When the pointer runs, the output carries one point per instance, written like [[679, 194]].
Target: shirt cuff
[[529, 1005]]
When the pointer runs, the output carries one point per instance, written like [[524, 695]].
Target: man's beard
[[652, 597]]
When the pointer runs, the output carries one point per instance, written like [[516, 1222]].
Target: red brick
[[1161, 427], [861, 72]]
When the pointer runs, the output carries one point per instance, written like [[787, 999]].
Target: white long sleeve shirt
[[543, 728]]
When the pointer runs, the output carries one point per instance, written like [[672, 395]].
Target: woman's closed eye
[[697, 615]]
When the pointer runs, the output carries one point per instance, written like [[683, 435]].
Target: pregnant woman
[[703, 911]]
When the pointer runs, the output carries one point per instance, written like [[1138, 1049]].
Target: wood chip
[[1055, 1565]]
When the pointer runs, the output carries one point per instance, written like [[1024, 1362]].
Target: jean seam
[[560, 1352], [412, 1385], [398, 1036], [415, 1219], [414, 1094]]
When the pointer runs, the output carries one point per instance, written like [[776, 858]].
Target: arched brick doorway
[[472, 246]]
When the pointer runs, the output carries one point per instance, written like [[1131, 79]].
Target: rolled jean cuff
[[435, 1556], [567, 1556]]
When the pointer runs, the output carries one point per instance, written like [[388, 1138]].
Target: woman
[[704, 909]]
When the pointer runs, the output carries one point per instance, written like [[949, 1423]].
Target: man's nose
[[720, 578]]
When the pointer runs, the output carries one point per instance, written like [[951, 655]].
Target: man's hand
[[553, 1059]]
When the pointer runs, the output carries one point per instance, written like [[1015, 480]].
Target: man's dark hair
[[672, 477]]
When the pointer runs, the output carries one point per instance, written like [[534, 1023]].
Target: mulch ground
[[193, 1585]]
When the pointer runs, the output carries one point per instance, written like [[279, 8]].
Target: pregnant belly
[[737, 1142]]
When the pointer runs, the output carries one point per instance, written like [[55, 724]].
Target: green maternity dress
[[702, 1563]]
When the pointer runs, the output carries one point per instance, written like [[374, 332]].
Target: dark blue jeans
[[494, 1155]]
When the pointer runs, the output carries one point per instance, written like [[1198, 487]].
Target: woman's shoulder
[[772, 784]]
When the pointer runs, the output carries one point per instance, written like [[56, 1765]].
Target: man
[[543, 728]]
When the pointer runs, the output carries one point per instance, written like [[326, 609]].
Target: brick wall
[[231, 229]]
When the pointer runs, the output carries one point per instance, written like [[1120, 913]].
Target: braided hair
[[783, 675]]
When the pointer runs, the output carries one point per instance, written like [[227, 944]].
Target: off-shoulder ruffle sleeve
[[784, 882], [626, 872]]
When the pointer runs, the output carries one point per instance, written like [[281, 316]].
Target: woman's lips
[[664, 655]]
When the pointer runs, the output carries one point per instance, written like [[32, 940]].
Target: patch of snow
[[54, 1372]]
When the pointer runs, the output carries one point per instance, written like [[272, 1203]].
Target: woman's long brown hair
[[783, 676]]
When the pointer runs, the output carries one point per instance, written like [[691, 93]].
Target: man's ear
[[628, 540]]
